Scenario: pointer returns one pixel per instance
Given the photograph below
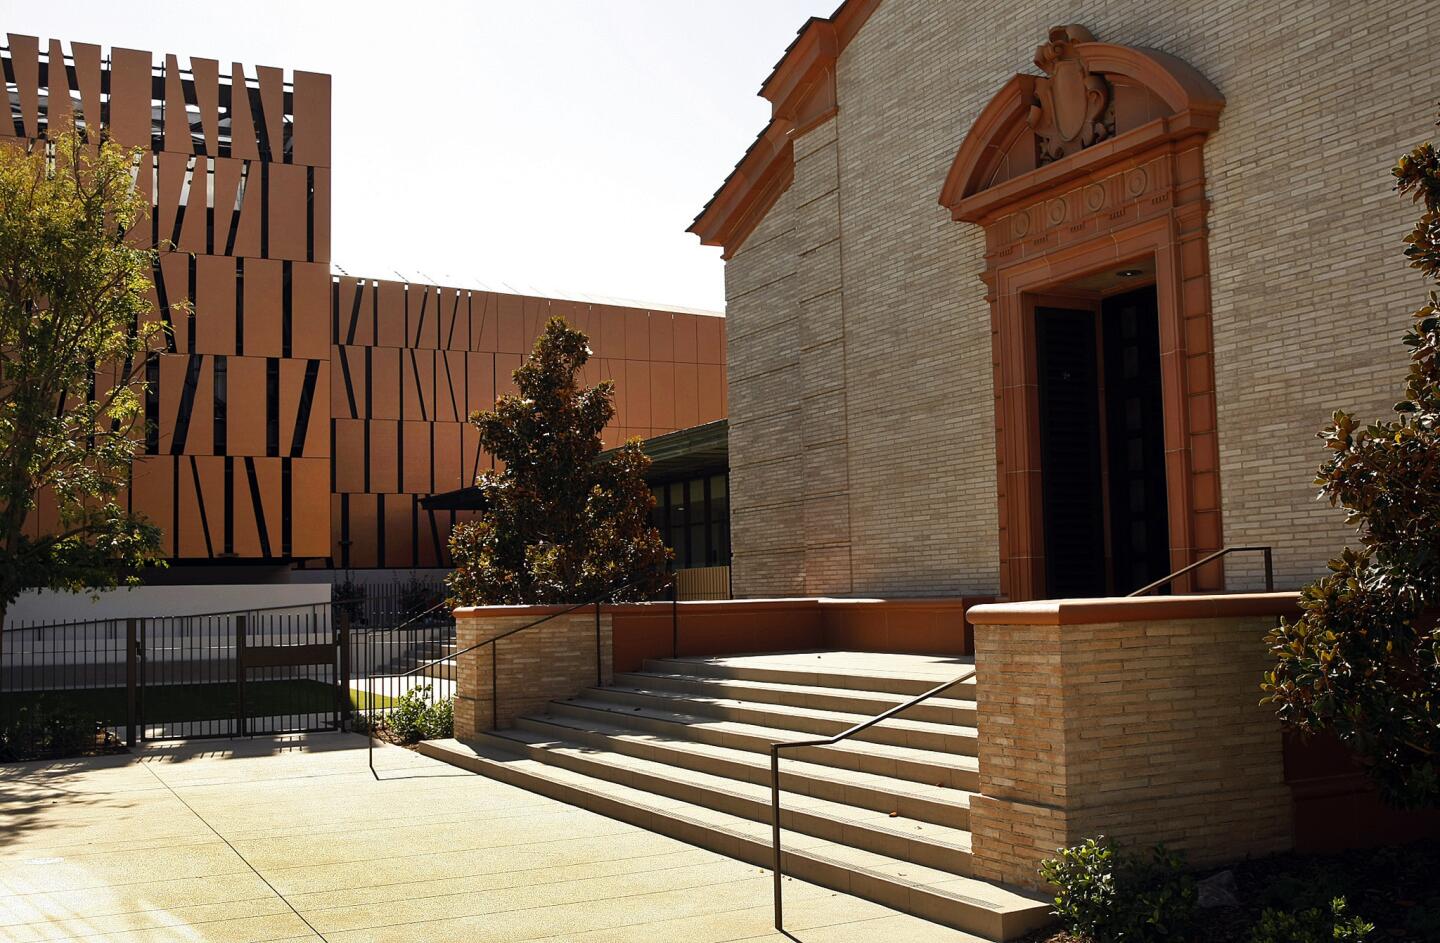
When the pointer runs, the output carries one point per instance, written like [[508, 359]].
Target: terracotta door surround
[[1095, 168]]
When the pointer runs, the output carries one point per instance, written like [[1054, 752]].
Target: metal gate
[[239, 674]]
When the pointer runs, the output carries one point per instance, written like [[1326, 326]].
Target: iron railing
[[376, 715], [1263, 551], [846, 734]]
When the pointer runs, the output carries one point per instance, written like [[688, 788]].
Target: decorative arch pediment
[[1097, 103]]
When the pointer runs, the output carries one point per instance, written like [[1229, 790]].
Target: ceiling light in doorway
[[1129, 272]]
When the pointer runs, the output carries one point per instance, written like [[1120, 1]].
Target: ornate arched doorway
[[1089, 182]]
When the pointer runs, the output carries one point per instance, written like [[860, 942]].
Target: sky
[[538, 146]]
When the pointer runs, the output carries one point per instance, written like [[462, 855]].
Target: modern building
[[300, 414], [1046, 310]]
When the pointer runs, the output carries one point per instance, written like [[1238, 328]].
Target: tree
[[560, 522], [75, 327], [1363, 661]]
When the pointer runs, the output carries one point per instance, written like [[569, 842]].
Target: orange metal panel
[[505, 367], [510, 323], [175, 271], [447, 466], [685, 338], [264, 308], [390, 329], [399, 530], [272, 97], [687, 395], [129, 97], [709, 341], [637, 334], [315, 434], [612, 332], [662, 396], [711, 392], [417, 373], [355, 312], [347, 382], [349, 455], [152, 493], [320, 214], [484, 323], [214, 304], [310, 310], [363, 518], [472, 457], [662, 336], [537, 312], [416, 472], [479, 382], [384, 456], [450, 386], [227, 182], [243, 137], [423, 317], [245, 494], [176, 120], [317, 442], [385, 382], [202, 507], [289, 200], [59, 112], [634, 394], [25, 59], [171, 193], [310, 507], [431, 543], [312, 119], [245, 415], [87, 76], [206, 74], [447, 301], [193, 234]]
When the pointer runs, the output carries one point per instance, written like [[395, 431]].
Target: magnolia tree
[[559, 521], [1363, 662], [75, 327]]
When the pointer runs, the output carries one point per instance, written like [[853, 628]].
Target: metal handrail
[[494, 687], [1264, 551], [775, 749]]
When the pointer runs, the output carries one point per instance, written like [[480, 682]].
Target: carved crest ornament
[[1072, 108]]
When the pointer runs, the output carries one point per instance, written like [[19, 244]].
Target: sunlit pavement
[[291, 838]]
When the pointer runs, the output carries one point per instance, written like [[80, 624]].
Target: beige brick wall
[[531, 668], [1143, 731], [1309, 290]]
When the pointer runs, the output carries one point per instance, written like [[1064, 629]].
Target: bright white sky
[[545, 146]]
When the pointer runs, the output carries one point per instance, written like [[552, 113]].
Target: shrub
[[1108, 896], [1332, 925], [1364, 659], [415, 718], [47, 727]]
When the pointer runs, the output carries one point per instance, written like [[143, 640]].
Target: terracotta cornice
[[1135, 609], [801, 92], [1194, 102]]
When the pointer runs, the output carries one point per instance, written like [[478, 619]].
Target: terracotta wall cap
[[797, 603], [1134, 609]]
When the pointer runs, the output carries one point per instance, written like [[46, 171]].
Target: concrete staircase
[[682, 748]]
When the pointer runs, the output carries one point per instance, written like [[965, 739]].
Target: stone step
[[963, 903], [926, 802], [935, 846], [937, 710], [956, 771], [825, 675], [898, 731]]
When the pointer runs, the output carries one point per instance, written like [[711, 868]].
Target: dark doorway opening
[[1102, 449]]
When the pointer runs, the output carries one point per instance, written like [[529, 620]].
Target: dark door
[[1070, 443], [1135, 434]]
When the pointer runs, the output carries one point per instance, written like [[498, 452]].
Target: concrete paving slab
[[291, 838]]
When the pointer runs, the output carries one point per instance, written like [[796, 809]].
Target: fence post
[[240, 675], [132, 642], [343, 615]]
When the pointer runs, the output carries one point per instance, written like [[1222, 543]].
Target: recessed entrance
[[1102, 424]]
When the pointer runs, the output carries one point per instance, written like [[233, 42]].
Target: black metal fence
[[74, 687]]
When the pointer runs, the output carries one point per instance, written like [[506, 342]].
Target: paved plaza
[[291, 838]]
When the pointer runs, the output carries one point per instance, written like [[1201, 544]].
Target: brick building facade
[[889, 418]]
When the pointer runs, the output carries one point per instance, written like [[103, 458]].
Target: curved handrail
[[849, 732], [1264, 551]]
